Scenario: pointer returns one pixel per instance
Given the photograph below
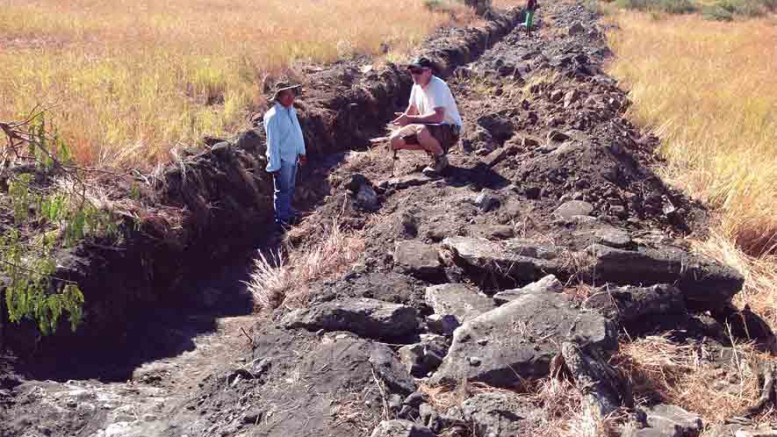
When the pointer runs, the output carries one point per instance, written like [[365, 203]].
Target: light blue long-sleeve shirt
[[284, 137]]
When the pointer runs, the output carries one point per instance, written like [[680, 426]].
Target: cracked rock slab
[[517, 340], [458, 300], [368, 318], [515, 260], [702, 280]]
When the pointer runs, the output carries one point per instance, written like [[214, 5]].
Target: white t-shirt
[[436, 95]]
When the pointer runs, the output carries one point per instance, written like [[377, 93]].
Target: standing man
[[285, 150], [431, 121], [531, 6]]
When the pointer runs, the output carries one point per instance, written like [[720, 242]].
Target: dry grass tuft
[[687, 376], [559, 409], [127, 81], [280, 279]]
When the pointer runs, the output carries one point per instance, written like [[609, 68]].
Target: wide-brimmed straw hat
[[283, 86]]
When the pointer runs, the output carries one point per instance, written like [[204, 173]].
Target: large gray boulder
[[519, 339], [400, 428], [703, 281], [630, 305], [458, 300], [369, 318], [514, 259]]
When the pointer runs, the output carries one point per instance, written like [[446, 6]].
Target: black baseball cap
[[421, 62]]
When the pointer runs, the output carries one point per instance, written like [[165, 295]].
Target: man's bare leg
[[429, 143]]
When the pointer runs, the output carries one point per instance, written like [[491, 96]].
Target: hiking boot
[[437, 166]]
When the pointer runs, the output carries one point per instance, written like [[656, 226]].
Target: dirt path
[[549, 171]]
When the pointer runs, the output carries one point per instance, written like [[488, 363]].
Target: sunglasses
[[416, 71]]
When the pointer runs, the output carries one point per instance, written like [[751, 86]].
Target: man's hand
[[303, 159], [402, 120]]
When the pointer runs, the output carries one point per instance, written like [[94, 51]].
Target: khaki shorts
[[446, 134]]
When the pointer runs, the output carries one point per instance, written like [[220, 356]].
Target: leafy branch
[[45, 220]]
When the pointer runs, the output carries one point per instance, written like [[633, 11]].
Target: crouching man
[[285, 150], [431, 121]]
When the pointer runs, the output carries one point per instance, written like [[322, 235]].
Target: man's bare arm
[[438, 116]]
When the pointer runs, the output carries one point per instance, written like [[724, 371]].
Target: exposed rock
[[367, 198], [369, 318], [357, 181], [494, 414], [603, 387], [486, 201], [458, 300], [613, 237], [573, 208], [407, 181], [670, 417], [545, 285], [390, 370], [556, 136], [518, 340], [493, 232], [499, 155], [734, 430], [576, 29], [500, 127], [400, 428], [519, 262], [442, 325], [571, 97], [421, 358], [704, 282], [417, 258], [636, 307], [479, 140]]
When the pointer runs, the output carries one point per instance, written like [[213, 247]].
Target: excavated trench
[[214, 209], [550, 179]]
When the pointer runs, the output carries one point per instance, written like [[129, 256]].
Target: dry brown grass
[[686, 375], [708, 90], [284, 279], [127, 81], [559, 409]]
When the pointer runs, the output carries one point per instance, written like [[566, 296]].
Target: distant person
[[285, 150], [431, 121], [531, 6]]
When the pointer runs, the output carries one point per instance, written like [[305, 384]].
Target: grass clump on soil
[[708, 90], [558, 407], [280, 279], [128, 81], [683, 375]]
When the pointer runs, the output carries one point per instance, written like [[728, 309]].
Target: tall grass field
[[708, 89], [125, 81]]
